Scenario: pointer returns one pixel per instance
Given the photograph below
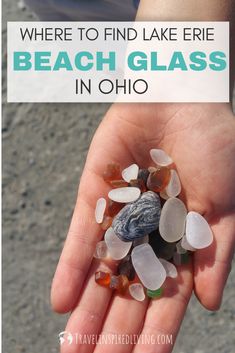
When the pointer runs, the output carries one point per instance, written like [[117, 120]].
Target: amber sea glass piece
[[114, 282], [138, 183], [159, 179], [118, 183], [123, 284], [103, 278], [119, 283], [152, 169], [126, 268], [107, 222], [112, 172], [114, 207]]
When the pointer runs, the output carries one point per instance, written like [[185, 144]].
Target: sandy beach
[[44, 150]]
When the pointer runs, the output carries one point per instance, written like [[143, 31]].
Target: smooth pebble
[[136, 290], [138, 218], [173, 189], [198, 232], [125, 194], [172, 220], [117, 248], [171, 270], [147, 266], [130, 173], [99, 210], [101, 250], [160, 157]]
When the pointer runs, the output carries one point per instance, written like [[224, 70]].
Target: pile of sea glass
[[147, 228]]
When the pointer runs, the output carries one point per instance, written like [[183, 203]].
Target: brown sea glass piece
[[138, 183], [126, 268], [123, 284], [119, 283], [112, 172], [159, 179], [103, 278], [118, 183], [107, 222], [114, 207], [152, 169]]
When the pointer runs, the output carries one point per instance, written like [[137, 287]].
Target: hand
[[201, 140]]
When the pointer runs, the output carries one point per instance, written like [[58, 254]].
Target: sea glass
[[147, 266], [136, 290], [112, 172], [160, 157], [172, 220], [161, 247], [138, 183], [119, 283], [159, 179], [101, 250], [114, 207], [103, 278], [173, 188], [198, 232], [118, 183], [107, 222], [125, 267], [130, 172], [171, 270], [155, 293], [99, 210], [117, 248], [143, 174], [124, 194]]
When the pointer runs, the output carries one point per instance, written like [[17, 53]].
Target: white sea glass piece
[[101, 250], [198, 232], [136, 290], [125, 194], [99, 210], [140, 241], [185, 245], [164, 195], [130, 173], [160, 157], [180, 249], [172, 220], [117, 248], [147, 266], [171, 270], [173, 189]]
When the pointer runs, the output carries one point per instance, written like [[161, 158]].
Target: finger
[[124, 320], [164, 315], [86, 320], [213, 264], [78, 249], [84, 232]]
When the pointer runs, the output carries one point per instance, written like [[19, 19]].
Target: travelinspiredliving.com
[[109, 338]]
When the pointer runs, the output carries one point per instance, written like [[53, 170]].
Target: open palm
[[201, 140]]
